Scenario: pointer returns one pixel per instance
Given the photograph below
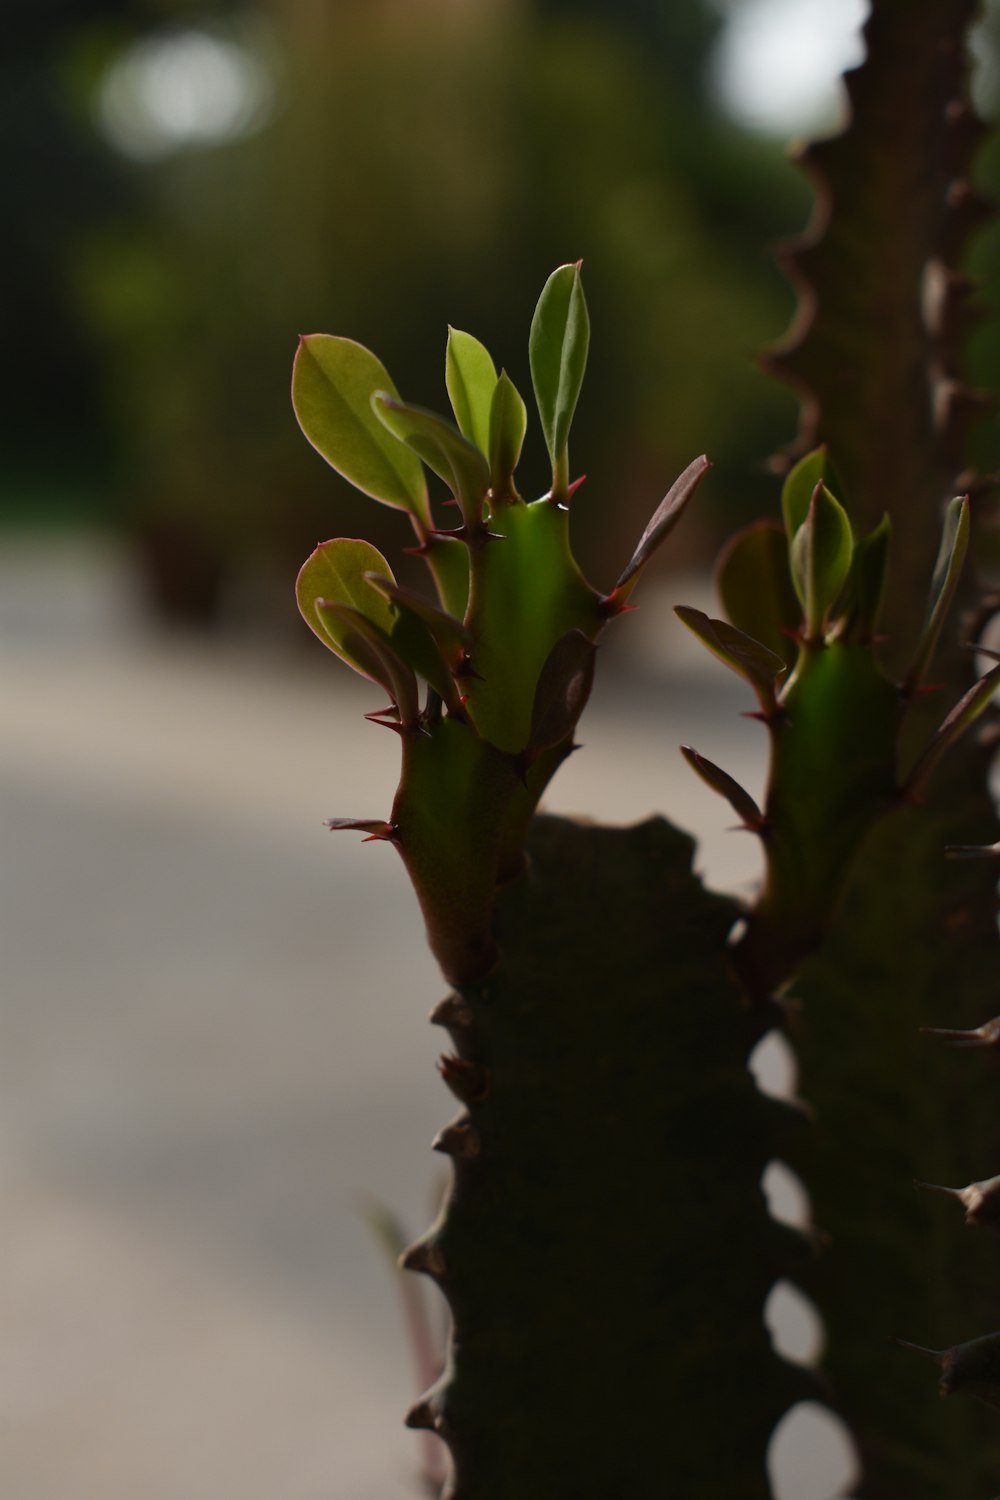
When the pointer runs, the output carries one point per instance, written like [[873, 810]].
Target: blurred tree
[[427, 160]]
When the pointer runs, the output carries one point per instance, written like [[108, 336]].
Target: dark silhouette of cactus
[[605, 1249]]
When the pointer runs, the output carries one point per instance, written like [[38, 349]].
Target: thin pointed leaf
[[333, 380], [451, 456], [429, 641], [665, 518], [557, 350], [966, 711], [752, 660], [361, 640], [336, 572], [866, 582], [947, 570], [821, 558], [471, 378], [756, 589], [508, 424], [452, 636], [564, 685], [798, 488], [720, 781]]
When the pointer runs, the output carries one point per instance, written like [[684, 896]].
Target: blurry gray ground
[[213, 1045]]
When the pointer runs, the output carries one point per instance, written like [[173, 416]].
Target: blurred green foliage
[[421, 162]]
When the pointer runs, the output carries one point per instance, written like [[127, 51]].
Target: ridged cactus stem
[[607, 1162]]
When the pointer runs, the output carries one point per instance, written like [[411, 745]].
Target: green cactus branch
[[599, 1328], [605, 1249], [506, 654]]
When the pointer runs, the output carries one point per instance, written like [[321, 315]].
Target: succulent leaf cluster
[[803, 601], [486, 681]]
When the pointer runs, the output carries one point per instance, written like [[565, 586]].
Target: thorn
[[468, 1081], [937, 1355], [452, 1012], [376, 828], [979, 1200], [459, 1139], [425, 1256], [385, 723], [987, 1035], [420, 1416], [972, 851], [571, 489], [421, 550], [465, 669], [935, 1187], [611, 606]]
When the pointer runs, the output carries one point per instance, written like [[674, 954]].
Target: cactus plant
[[605, 1248]]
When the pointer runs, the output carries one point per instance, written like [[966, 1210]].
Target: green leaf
[[508, 424], [866, 583], [561, 695], [756, 588], [333, 380], [452, 636], [665, 518], [821, 558], [471, 379], [451, 456], [797, 490], [335, 572], [557, 349], [947, 571], [743, 655], [720, 781], [431, 642], [360, 641]]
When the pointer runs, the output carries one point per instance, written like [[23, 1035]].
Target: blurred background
[[214, 1053]]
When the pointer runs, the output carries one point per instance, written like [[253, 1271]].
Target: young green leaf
[[947, 570], [429, 641], [756, 589], [798, 488], [866, 583], [821, 558], [360, 641], [743, 655], [333, 380], [335, 572], [720, 781], [561, 695], [454, 638], [451, 456], [508, 424], [471, 378], [665, 518], [557, 350]]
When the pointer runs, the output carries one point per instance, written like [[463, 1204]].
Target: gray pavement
[[213, 1040]]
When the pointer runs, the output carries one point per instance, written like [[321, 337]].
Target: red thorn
[[611, 606], [571, 489], [419, 551]]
